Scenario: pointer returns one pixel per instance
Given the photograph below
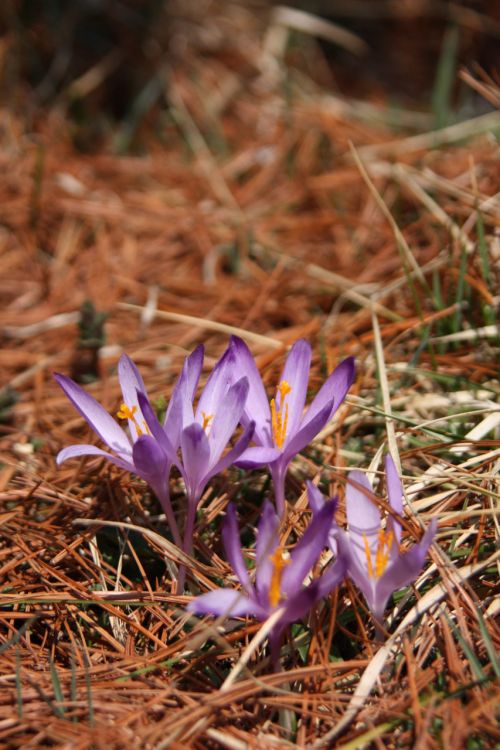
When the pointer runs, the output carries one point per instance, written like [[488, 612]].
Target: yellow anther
[[125, 412], [207, 418], [279, 417], [383, 549], [284, 388], [279, 562], [368, 556], [384, 545]]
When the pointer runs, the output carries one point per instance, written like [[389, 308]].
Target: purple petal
[[307, 551], [315, 497], [405, 568], [226, 418], [257, 456], [73, 451], [257, 407], [305, 434], [192, 370], [296, 374], [217, 385], [356, 567], [332, 576], [334, 390], [232, 456], [131, 381], [363, 515], [157, 431], [395, 493], [232, 545], [183, 392], [299, 604], [195, 459], [225, 603], [267, 541], [151, 462], [180, 414], [97, 417]]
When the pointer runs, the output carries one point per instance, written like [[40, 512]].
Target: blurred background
[[105, 64]]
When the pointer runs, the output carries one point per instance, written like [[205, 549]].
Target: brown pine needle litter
[[242, 195]]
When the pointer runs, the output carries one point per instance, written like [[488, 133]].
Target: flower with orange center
[[283, 427], [279, 576], [375, 561]]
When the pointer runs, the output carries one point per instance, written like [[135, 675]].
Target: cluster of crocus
[[197, 441], [194, 441]]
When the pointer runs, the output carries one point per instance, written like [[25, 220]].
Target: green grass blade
[[17, 636], [56, 686], [488, 644], [445, 78], [457, 318], [475, 665], [488, 312]]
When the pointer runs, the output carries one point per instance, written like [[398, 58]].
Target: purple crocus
[[281, 428], [204, 432], [375, 562], [279, 578], [138, 451]]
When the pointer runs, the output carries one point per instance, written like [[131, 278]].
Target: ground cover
[[250, 199]]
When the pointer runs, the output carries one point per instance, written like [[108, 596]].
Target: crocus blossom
[[138, 451], [203, 433], [375, 562], [279, 578], [281, 427]]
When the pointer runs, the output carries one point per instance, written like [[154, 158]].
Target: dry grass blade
[[434, 139], [210, 325], [308, 23]]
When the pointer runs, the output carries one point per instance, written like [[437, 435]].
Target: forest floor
[[264, 204]]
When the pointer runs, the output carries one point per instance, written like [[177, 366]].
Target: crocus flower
[[375, 562], [279, 579], [138, 451], [281, 428], [203, 433]]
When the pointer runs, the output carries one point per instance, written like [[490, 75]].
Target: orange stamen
[[383, 549], [279, 417], [368, 556], [207, 418], [125, 412], [384, 545], [279, 562]]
